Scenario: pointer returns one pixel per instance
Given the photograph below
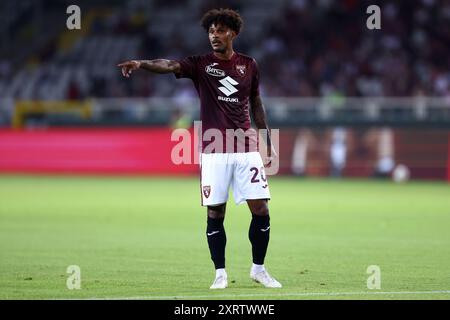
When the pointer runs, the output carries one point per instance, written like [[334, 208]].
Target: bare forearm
[[259, 117], [160, 65], [259, 113]]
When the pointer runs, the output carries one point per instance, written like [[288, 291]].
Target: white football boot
[[265, 279], [221, 280]]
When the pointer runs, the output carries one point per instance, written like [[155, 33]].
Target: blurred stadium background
[[344, 96], [349, 102]]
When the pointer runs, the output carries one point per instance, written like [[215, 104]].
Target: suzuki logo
[[228, 86]]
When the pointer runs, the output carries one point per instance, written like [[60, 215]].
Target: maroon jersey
[[225, 88]]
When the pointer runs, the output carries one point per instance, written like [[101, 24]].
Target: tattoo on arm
[[160, 66], [259, 117]]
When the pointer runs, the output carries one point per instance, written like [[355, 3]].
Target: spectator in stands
[[303, 55]]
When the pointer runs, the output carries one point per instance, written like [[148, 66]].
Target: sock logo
[[212, 233], [264, 230]]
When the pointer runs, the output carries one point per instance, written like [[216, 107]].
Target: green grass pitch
[[144, 238]]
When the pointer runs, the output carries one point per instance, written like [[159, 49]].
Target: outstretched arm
[[259, 117], [156, 66]]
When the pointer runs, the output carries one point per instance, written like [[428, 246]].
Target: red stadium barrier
[[115, 151], [148, 151]]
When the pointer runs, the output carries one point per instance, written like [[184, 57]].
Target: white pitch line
[[301, 294]]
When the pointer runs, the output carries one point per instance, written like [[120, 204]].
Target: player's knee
[[260, 208], [216, 212]]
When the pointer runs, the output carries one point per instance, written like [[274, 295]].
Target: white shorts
[[244, 172]]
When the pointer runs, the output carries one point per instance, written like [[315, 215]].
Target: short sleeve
[[188, 67], [255, 79]]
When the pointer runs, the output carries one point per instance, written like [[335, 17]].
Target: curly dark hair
[[227, 17]]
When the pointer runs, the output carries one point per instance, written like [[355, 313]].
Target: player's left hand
[[270, 157]]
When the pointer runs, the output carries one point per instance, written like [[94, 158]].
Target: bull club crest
[[241, 69], [206, 191]]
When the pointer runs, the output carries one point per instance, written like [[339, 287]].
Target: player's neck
[[227, 55]]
